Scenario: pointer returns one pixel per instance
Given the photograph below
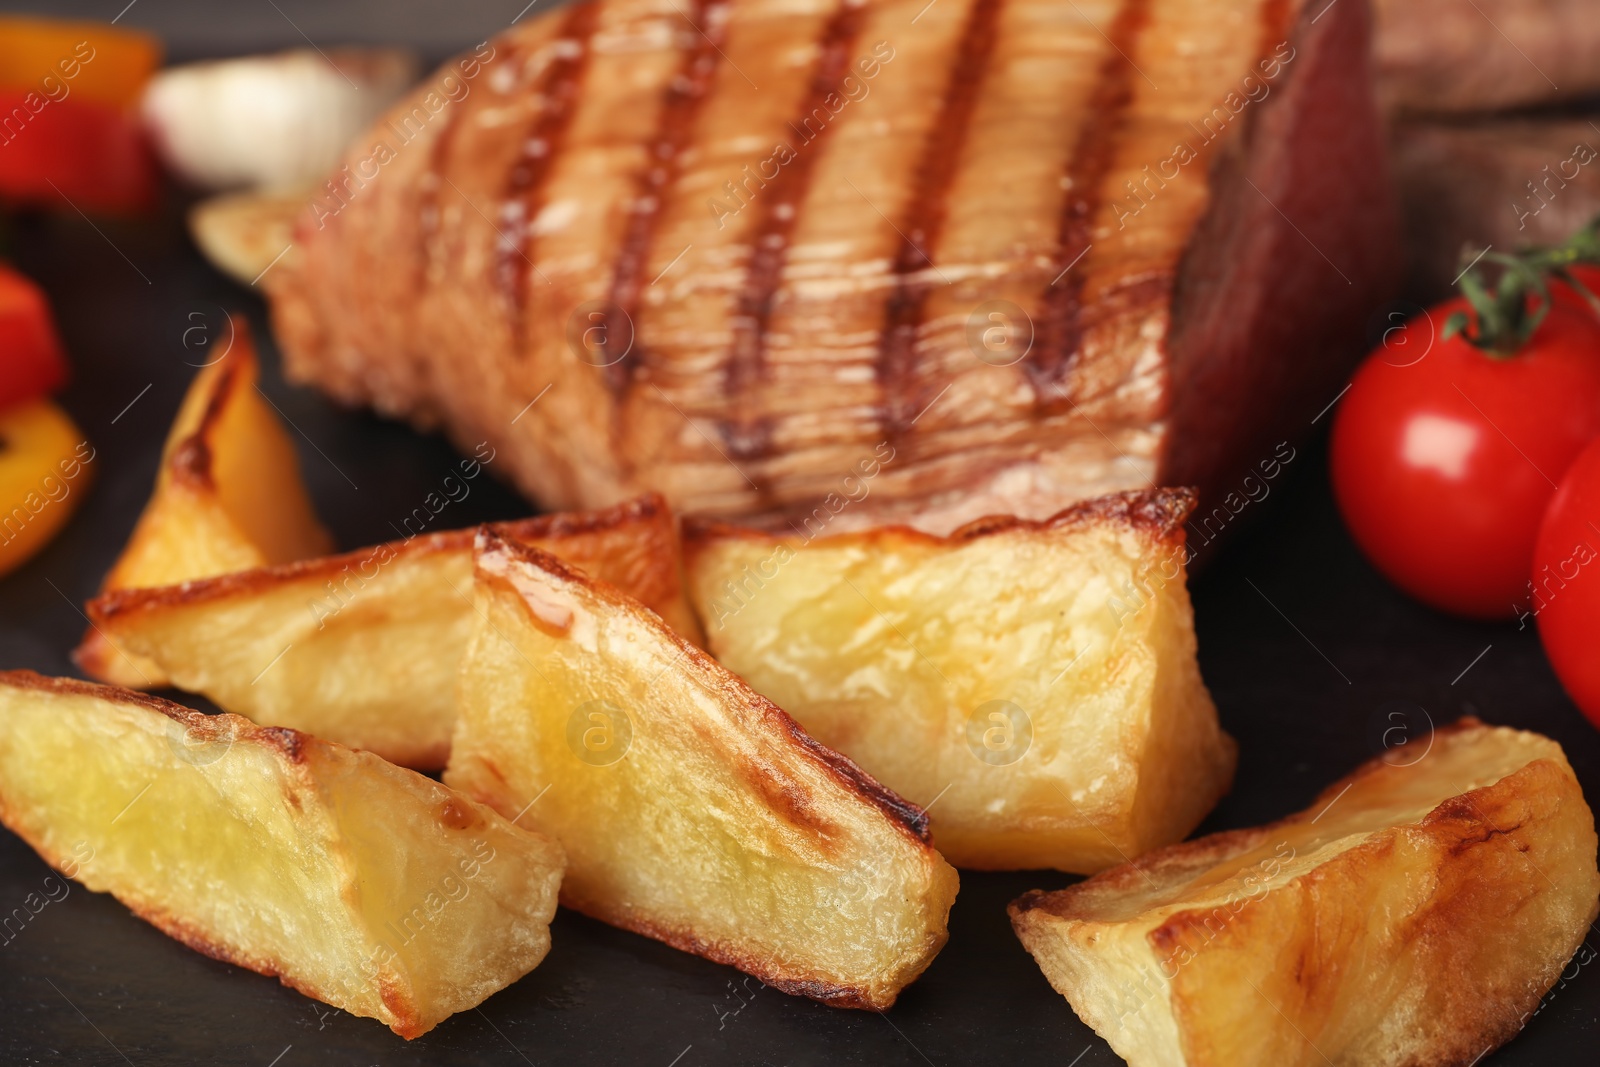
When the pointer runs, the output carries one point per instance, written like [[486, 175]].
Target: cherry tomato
[[1444, 456], [1565, 589], [31, 363], [1563, 295]]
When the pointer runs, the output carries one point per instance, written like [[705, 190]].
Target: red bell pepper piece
[[91, 155], [31, 360]]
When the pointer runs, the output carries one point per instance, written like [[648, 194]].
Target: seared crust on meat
[[1044, 281]]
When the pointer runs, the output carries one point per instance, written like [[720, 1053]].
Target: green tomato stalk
[[1504, 316]]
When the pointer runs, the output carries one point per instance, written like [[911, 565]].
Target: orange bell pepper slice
[[85, 60]]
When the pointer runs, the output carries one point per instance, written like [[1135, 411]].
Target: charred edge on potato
[[202, 727], [837, 996], [205, 726], [192, 461]]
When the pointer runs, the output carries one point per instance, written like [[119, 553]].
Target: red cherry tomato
[[1563, 295], [1565, 589], [31, 363], [1443, 462]]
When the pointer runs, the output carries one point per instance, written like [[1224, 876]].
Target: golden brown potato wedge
[[366, 886], [228, 497], [692, 810], [364, 648], [246, 234], [1037, 679], [1414, 914]]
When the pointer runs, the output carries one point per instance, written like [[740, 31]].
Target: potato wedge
[[1037, 679], [692, 810], [364, 648], [1414, 914], [360, 884], [246, 234], [228, 497]]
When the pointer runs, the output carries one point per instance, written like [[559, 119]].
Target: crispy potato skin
[[355, 882], [889, 645], [745, 840], [633, 545], [363, 648], [228, 497], [1411, 930]]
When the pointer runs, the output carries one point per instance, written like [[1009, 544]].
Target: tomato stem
[[1504, 316]]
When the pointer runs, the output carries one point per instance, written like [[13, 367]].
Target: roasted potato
[[366, 886], [692, 810], [228, 497], [245, 234], [364, 648], [1414, 914], [1034, 684]]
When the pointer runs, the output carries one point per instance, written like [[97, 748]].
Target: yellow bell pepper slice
[[45, 469]]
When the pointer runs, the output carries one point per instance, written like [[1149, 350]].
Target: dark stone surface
[[1307, 651]]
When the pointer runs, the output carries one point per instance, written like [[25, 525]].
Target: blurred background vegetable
[[45, 465], [273, 122], [31, 360], [70, 132]]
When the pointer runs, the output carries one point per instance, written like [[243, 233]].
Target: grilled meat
[[895, 260]]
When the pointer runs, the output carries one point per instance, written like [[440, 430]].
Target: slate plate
[[1314, 661]]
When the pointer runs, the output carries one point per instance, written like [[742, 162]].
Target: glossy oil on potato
[[1415, 913], [363, 885], [364, 648], [1033, 683], [228, 497], [692, 810]]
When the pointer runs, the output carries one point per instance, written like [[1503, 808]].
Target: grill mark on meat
[[779, 207], [1090, 163], [895, 366], [430, 209], [524, 195], [680, 107]]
